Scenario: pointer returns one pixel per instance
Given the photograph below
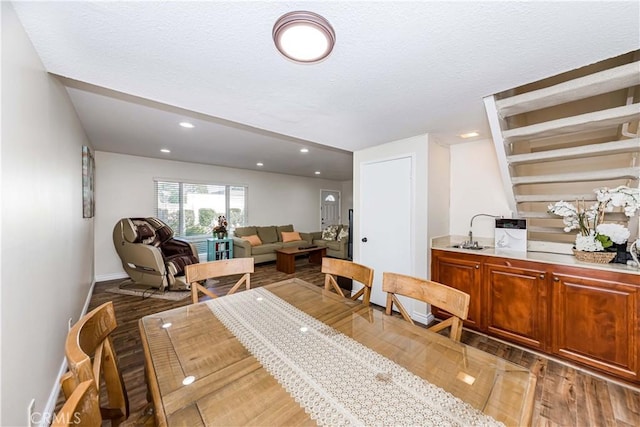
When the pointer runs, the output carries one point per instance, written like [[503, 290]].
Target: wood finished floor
[[564, 396]]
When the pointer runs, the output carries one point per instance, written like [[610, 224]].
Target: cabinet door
[[516, 304], [462, 274], [596, 323]]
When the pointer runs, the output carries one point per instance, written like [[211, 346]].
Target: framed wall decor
[[88, 177]]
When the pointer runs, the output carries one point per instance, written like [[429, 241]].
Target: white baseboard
[[112, 276], [425, 319], [53, 396]]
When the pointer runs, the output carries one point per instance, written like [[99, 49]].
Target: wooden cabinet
[[219, 249], [586, 316], [516, 301], [595, 322], [463, 274]]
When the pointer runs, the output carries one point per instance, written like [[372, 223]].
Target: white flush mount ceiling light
[[186, 125], [303, 36], [304, 150], [165, 150]]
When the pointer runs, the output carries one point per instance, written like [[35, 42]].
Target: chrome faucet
[[471, 243]]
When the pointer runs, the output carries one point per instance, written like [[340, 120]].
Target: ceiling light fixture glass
[[186, 125], [259, 164], [304, 150], [303, 36], [317, 172], [469, 134], [165, 150]]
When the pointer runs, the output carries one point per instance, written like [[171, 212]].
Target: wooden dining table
[[207, 364]]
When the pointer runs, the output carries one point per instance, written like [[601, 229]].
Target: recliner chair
[[150, 255]]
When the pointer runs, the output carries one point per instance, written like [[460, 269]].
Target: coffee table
[[286, 257]]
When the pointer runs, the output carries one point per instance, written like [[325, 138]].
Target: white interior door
[[329, 208], [386, 195]]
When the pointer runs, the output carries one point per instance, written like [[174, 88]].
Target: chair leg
[[243, 279]]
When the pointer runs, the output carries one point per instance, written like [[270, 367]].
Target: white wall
[[476, 187], [124, 188], [47, 247]]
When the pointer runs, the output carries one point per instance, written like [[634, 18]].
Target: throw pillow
[[281, 228], [290, 236], [330, 233], [254, 240], [344, 233]]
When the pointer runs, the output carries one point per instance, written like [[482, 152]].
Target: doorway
[[329, 208]]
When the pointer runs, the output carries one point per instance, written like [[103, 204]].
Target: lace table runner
[[337, 380]]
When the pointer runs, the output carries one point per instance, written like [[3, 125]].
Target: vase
[[622, 256]]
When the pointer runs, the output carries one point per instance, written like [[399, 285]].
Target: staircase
[[563, 137]]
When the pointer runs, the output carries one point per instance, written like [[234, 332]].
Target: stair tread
[[554, 197], [609, 216], [549, 230], [580, 123], [599, 175], [620, 77], [591, 150]]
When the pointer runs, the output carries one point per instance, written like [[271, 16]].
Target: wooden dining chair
[[452, 300], [91, 357], [333, 267], [82, 407], [195, 273]]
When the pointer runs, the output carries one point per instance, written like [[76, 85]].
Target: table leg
[[285, 263], [315, 257]]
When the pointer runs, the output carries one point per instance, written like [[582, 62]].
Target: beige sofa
[[335, 238], [271, 238]]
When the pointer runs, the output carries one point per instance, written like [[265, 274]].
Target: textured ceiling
[[398, 69]]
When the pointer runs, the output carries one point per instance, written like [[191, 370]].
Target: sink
[[466, 245]]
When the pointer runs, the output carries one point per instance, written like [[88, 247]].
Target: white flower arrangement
[[617, 233], [594, 234]]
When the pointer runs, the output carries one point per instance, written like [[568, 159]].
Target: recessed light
[[303, 36], [188, 380], [259, 164], [304, 150], [164, 150], [186, 125], [317, 172], [469, 134]]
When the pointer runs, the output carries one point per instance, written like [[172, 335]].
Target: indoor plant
[[597, 241], [221, 229]]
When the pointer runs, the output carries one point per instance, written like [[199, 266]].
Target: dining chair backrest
[[196, 273], [444, 297], [82, 408], [333, 267], [91, 357]]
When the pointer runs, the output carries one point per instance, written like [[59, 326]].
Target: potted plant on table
[[220, 230], [598, 241]]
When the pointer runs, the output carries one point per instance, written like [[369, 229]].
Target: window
[[192, 209]]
